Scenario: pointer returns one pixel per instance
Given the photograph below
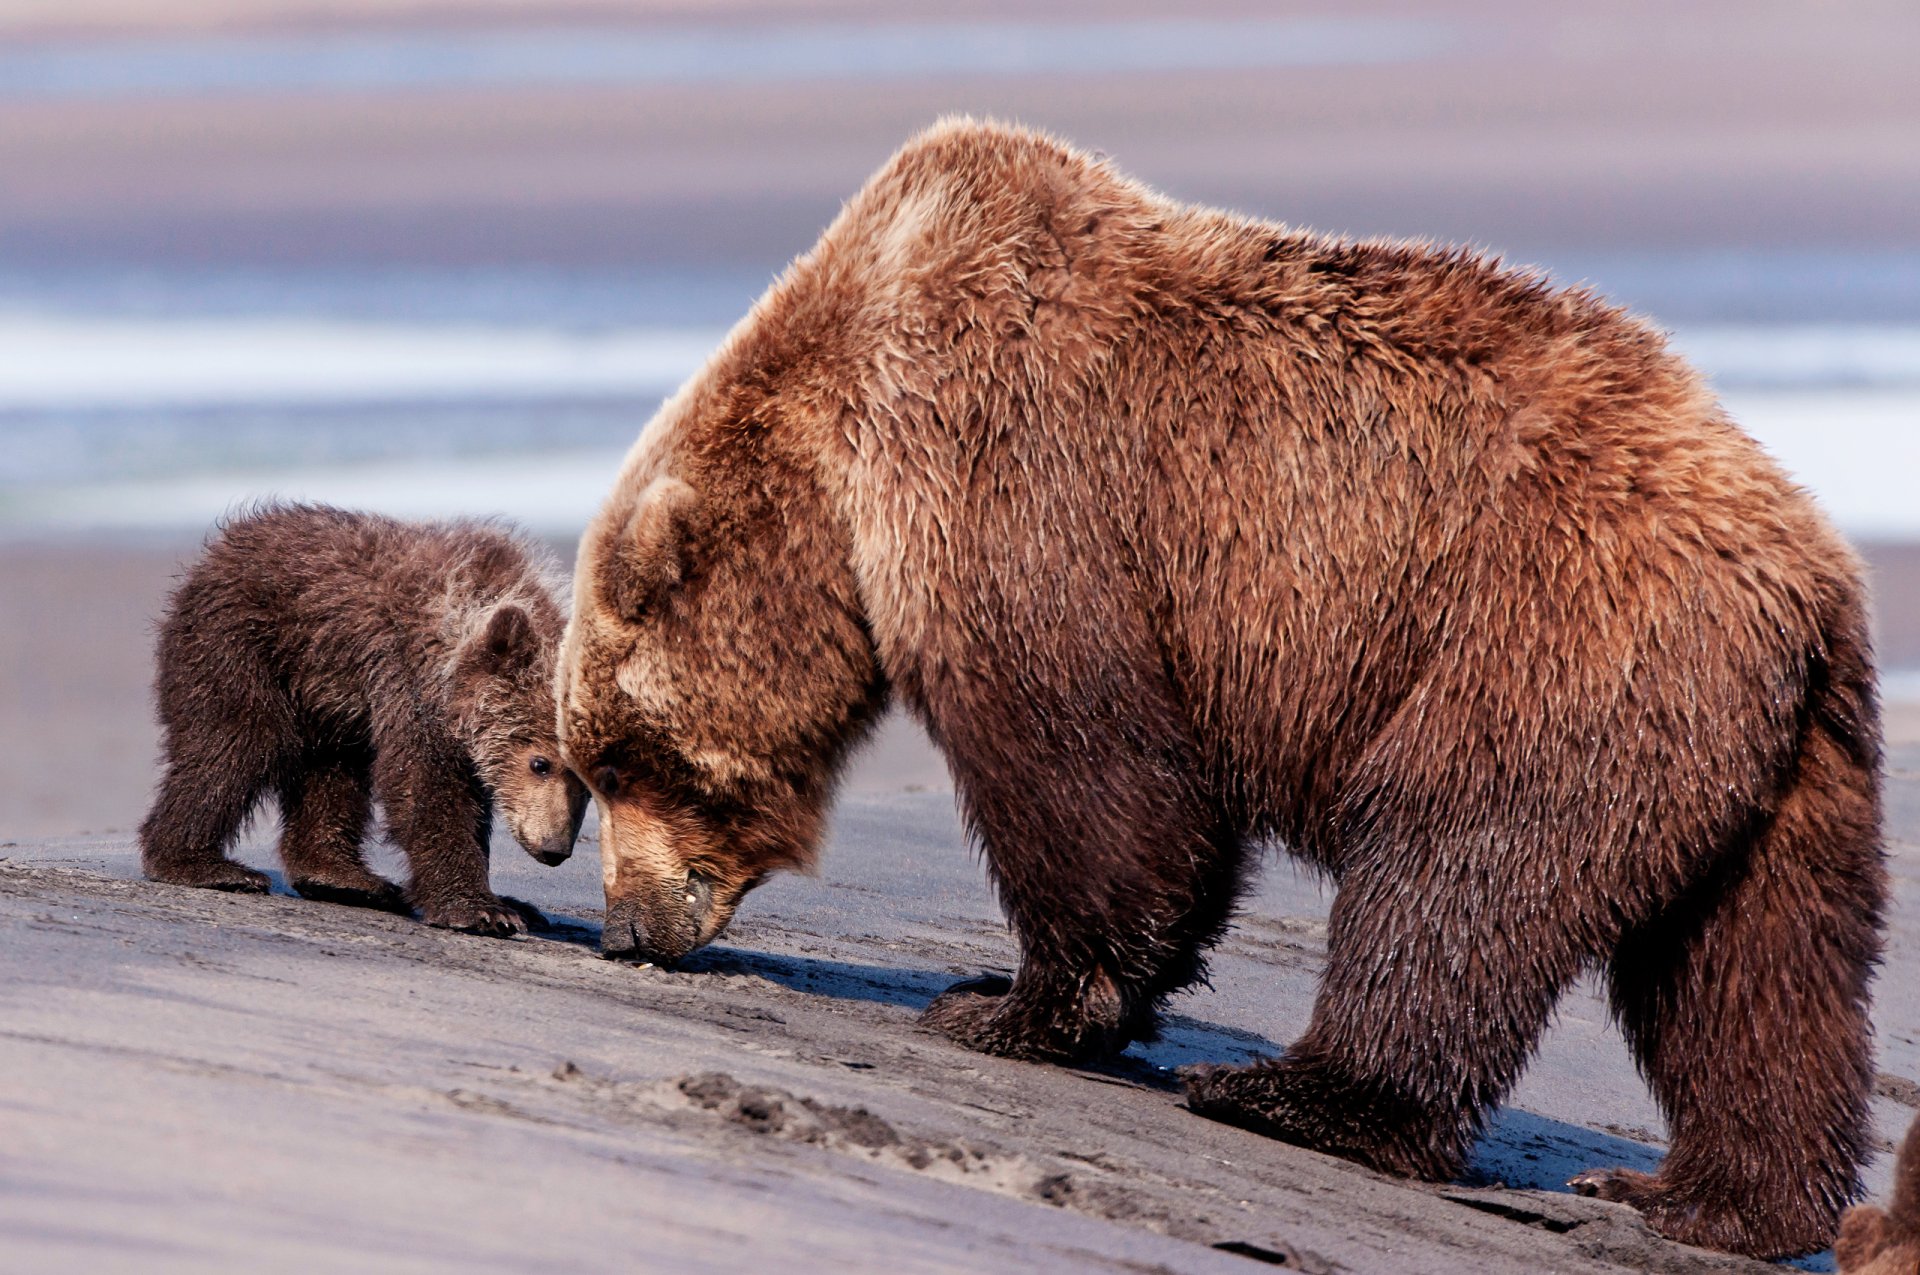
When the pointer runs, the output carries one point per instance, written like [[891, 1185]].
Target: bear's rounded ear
[[506, 645], [642, 564]]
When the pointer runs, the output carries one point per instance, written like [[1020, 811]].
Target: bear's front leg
[[1114, 870], [440, 817]]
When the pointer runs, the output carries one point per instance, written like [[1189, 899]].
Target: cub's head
[[503, 693], [714, 673]]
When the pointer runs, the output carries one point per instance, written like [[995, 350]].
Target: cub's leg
[[325, 804], [440, 817], [1114, 870], [1746, 1006], [1442, 969], [228, 734]]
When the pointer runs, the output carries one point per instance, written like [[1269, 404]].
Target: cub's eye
[[607, 780], [540, 766]]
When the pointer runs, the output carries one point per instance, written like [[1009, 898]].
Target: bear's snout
[[658, 927]]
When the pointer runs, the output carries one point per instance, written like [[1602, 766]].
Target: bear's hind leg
[[1746, 1005], [325, 806], [1439, 982], [225, 745]]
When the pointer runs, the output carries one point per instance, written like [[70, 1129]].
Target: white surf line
[[1855, 443], [49, 364], [552, 494], [1800, 355], [706, 54], [56, 362], [1900, 685], [1858, 451]]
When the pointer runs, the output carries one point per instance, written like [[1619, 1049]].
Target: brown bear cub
[[331, 658], [1876, 1241], [1185, 533]]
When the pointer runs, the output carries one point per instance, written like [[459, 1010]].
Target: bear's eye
[[607, 780], [540, 766]]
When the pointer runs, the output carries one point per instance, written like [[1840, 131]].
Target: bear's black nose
[[624, 934]]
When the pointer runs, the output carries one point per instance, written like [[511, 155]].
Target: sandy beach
[[445, 256], [202, 1082]]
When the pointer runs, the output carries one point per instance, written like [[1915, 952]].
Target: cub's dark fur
[[328, 658]]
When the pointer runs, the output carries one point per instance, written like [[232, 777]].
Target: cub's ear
[[643, 563], [506, 645]]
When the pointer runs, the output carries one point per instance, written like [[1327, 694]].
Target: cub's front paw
[[535, 919], [488, 915]]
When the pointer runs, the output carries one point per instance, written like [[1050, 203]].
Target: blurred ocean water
[[139, 425], [141, 400]]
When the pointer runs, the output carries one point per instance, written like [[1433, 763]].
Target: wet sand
[[200, 1081]]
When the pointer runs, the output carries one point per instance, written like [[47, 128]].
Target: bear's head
[[502, 696], [715, 671]]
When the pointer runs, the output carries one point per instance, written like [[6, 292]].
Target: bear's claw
[[1621, 1186], [492, 917]]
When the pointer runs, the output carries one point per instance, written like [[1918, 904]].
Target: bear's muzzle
[[656, 925]]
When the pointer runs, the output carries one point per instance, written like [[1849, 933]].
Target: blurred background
[[446, 256]]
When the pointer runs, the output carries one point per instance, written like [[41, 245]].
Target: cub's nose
[[550, 857]]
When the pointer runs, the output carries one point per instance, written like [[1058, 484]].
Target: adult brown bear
[[1182, 532]]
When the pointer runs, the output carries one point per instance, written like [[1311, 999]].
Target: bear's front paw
[[490, 916], [988, 1015], [964, 1010]]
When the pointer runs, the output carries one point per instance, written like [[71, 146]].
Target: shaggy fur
[[1182, 532], [1875, 1241], [329, 658]]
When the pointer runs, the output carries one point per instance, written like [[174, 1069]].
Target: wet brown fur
[[327, 658], [1181, 532], [1876, 1241]]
